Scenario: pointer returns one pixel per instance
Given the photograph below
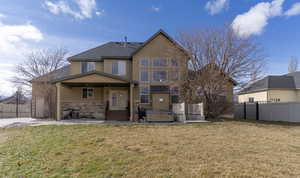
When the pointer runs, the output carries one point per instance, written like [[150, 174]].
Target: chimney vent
[[125, 42]]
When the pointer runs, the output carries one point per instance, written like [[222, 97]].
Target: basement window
[[87, 93]]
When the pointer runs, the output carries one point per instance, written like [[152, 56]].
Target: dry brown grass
[[223, 149]]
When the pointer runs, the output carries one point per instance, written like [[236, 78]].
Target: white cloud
[[294, 10], [100, 13], [15, 40], [216, 6], [155, 9], [86, 8], [255, 20]]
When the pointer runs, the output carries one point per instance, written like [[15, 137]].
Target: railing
[[106, 109]]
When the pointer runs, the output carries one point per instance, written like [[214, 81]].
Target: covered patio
[[96, 95]]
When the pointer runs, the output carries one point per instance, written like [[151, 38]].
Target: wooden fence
[[15, 110]]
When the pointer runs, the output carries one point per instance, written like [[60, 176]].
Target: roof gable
[[119, 50], [160, 32]]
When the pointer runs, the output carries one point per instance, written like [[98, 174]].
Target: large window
[[119, 68], [144, 76], [160, 62], [87, 93], [144, 62], [145, 94], [173, 75], [87, 66], [174, 62], [159, 76]]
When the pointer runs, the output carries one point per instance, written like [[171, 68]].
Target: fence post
[[245, 111], [17, 104], [257, 111]]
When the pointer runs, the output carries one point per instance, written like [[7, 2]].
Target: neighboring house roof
[[113, 50], [273, 82], [69, 77], [296, 76], [13, 99]]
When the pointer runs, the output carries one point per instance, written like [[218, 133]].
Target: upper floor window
[[160, 62], [119, 68], [173, 75], [144, 76], [174, 62], [144, 62], [159, 76], [87, 66]]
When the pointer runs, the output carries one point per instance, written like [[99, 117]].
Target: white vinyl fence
[[12, 110], [287, 112], [183, 112]]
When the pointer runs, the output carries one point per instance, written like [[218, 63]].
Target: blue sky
[[82, 24]]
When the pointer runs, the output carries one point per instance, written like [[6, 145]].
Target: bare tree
[[218, 56], [37, 70], [37, 64], [293, 65]]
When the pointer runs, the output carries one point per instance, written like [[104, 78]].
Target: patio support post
[[131, 101], [58, 101]]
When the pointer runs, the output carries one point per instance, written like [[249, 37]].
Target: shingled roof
[[118, 50], [274, 82], [113, 50], [110, 50]]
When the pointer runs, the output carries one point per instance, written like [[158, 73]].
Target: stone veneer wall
[[86, 108]]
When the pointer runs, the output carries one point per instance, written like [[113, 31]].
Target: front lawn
[[228, 149]]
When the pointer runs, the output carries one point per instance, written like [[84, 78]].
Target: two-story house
[[111, 80]]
